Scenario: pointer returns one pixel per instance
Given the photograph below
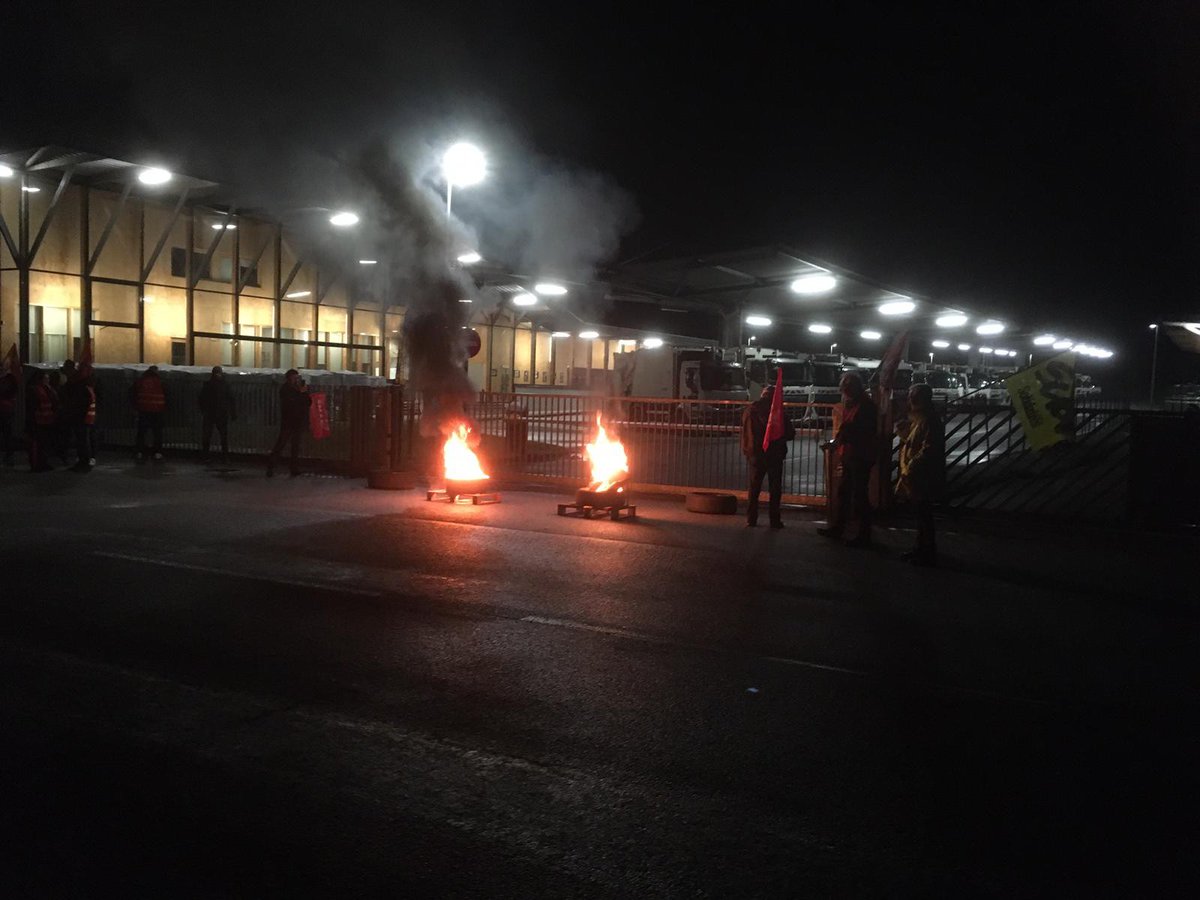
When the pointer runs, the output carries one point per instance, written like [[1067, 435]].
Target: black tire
[[712, 503]]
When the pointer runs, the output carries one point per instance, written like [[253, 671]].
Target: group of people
[[60, 410], [854, 450]]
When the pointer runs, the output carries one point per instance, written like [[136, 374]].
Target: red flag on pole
[[891, 361], [12, 362], [774, 430]]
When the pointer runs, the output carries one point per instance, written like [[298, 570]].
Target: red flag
[[318, 416], [12, 362], [891, 361], [774, 430]]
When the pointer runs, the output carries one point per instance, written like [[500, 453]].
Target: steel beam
[[108, 228], [194, 277], [165, 236], [49, 217]]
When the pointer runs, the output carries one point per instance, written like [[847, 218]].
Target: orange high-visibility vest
[[43, 413], [150, 396]]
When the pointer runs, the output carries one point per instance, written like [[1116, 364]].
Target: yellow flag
[[1044, 399]]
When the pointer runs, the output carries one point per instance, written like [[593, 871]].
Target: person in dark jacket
[[922, 469], [149, 398], [217, 410], [764, 463], [78, 414], [9, 388], [855, 448], [294, 402]]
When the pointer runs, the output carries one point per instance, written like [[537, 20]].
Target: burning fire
[[459, 459], [609, 463]]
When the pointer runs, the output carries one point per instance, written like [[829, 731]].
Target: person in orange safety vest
[[41, 411], [149, 398]]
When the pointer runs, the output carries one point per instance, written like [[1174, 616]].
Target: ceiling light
[[368, 262], [985, 349], [941, 345], [870, 335], [343, 219], [589, 335], [950, 320], [217, 226], [524, 300], [5, 172], [154, 176], [964, 347], [296, 295], [549, 289], [30, 189], [468, 259], [560, 334], [1043, 340], [652, 343], [818, 328], [992, 327], [814, 283], [1105, 354], [466, 300], [897, 307], [1063, 345], [464, 164], [760, 321]]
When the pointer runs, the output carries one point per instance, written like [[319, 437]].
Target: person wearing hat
[[766, 463], [217, 410], [294, 402]]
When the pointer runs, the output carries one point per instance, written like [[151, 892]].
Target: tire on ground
[[712, 503]]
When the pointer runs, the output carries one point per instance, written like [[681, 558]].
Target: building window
[[224, 269], [178, 353]]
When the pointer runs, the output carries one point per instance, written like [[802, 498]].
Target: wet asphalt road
[[219, 685]]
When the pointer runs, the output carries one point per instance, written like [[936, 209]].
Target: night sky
[[1035, 163]]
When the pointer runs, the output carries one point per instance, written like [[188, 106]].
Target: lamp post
[[463, 165], [1154, 362]]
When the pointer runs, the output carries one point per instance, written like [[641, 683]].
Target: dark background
[[1038, 163]]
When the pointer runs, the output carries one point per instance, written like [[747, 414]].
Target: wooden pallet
[[586, 512], [475, 499]]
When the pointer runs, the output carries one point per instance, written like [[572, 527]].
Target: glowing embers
[[605, 494], [465, 479]]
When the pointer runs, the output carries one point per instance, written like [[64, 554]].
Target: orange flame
[[459, 459], [609, 462]]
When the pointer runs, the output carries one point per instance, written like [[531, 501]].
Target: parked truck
[[680, 373]]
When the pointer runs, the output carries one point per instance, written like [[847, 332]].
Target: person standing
[[922, 469], [79, 415], [9, 387], [764, 463], [150, 400], [294, 402], [855, 448], [217, 410], [41, 412]]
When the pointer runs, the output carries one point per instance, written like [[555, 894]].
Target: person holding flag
[[10, 386], [855, 448], [766, 431]]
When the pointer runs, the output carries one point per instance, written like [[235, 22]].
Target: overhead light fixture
[[147, 299], [985, 349], [814, 283], [589, 335], [941, 345], [5, 172], [464, 165], [964, 347], [652, 343], [1105, 354], [549, 289], [760, 321], [471, 258], [992, 327], [368, 262], [870, 335], [950, 320], [218, 226], [897, 307], [560, 334], [466, 300], [1044, 340], [30, 189], [296, 295], [154, 175], [1063, 345], [343, 219], [524, 300], [818, 328]]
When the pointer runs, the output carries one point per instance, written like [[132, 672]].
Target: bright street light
[[589, 335], [964, 347], [818, 328], [652, 343], [760, 321], [992, 327], [941, 345], [154, 176], [870, 335], [218, 226], [368, 262], [462, 166], [343, 219], [468, 259], [1044, 340], [1063, 345], [897, 307], [985, 349], [549, 289], [5, 172], [560, 334], [524, 300], [814, 283], [950, 320]]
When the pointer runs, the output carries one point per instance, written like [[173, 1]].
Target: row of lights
[[955, 320]]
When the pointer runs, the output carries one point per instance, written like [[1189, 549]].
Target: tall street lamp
[[1154, 361], [462, 165]]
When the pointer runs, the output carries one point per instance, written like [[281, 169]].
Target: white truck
[[680, 373]]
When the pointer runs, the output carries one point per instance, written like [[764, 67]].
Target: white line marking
[[231, 573]]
